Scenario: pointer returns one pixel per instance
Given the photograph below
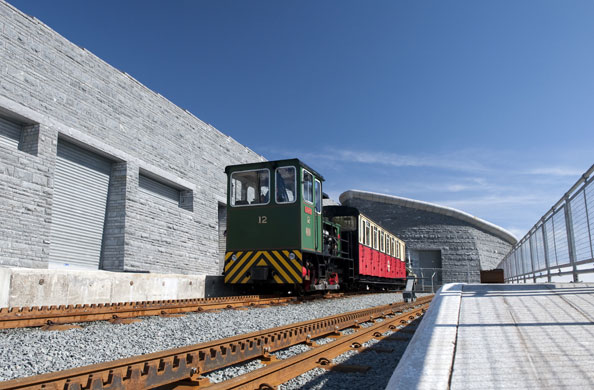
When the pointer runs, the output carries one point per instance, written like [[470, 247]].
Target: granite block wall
[[113, 245], [65, 91], [26, 190]]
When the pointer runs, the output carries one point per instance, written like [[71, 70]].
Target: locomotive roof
[[274, 164], [339, 210]]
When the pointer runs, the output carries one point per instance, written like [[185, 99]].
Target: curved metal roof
[[426, 206]]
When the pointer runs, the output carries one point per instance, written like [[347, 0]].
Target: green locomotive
[[279, 234], [275, 226]]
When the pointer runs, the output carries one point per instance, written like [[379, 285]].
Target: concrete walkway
[[528, 336]]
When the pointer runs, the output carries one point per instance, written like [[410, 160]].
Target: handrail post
[[532, 253], [570, 239], [545, 243]]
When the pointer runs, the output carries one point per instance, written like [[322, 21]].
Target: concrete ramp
[[521, 336], [427, 361]]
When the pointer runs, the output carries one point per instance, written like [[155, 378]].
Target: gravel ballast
[[381, 365], [32, 351]]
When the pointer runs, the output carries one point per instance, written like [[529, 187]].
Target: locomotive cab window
[[250, 188], [318, 186], [286, 184], [307, 186]]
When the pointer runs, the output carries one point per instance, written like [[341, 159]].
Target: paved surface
[[535, 336]]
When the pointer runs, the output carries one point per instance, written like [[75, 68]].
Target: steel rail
[[190, 362], [54, 316], [22, 317], [319, 357]]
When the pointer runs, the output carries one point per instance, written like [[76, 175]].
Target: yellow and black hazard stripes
[[284, 266]]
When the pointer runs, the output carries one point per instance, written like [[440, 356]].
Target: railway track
[[186, 366], [56, 317], [320, 356]]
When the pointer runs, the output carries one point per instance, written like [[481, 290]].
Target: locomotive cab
[[274, 222]]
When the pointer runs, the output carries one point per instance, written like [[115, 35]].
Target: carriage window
[[375, 237], [392, 249], [286, 184], [307, 186], [250, 188], [361, 230], [382, 246], [318, 196], [367, 233]]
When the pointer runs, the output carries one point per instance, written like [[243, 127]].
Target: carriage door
[[318, 215]]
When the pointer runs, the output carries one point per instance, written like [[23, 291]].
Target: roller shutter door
[[10, 133], [159, 190], [81, 184]]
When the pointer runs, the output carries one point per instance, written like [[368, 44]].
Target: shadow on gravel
[[382, 358]]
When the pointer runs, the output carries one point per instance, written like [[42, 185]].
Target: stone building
[[453, 245], [97, 171]]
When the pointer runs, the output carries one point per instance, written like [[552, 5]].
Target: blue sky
[[485, 106]]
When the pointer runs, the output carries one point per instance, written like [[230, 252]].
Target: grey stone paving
[[535, 336]]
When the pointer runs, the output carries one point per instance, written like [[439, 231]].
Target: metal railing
[[559, 247], [431, 279]]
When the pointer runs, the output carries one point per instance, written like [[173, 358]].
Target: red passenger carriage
[[378, 255]]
